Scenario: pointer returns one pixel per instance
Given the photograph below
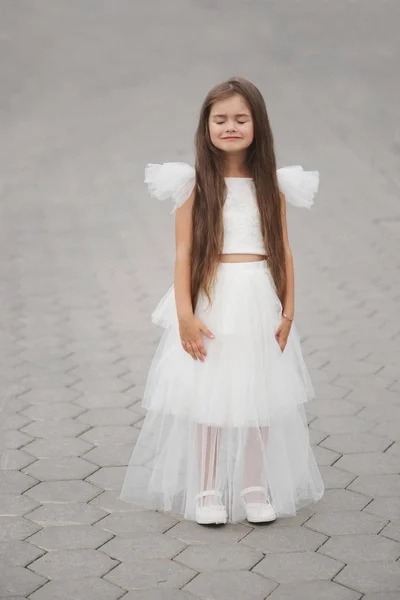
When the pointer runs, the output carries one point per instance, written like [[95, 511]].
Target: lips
[[231, 137]]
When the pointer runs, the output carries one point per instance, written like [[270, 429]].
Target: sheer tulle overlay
[[234, 421]]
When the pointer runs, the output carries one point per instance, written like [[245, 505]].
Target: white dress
[[238, 419]]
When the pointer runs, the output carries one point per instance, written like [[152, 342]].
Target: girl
[[225, 436]]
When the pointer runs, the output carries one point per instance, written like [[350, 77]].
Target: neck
[[235, 166]]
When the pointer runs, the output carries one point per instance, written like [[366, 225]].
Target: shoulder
[[173, 180], [298, 186]]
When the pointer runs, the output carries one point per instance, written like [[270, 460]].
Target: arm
[[191, 329], [283, 330]]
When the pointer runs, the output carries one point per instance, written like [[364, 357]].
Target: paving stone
[[190, 532], [377, 485], [76, 564], [112, 434], [92, 370], [142, 574], [108, 478], [111, 455], [63, 491], [285, 539], [382, 412], [70, 467], [14, 459], [19, 581], [388, 430], [63, 537], [335, 478], [14, 505], [104, 384], [345, 522], [11, 421], [143, 547], [361, 547], [324, 456], [332, 407], [111, 503], [371, 576], [300, 518], [14, 482], [394, 449], [58, 447], [109, 416], [342, 424], [137, 522], [55, 429], [335, 500], [161, 594], [89, 588], [14, 439], [111, 400], [72, 513], [389, 508], [227, 585], [392, 531], [321, 590], [51, 395], [298, 566], [18, 554], [347, 443], [219, 557], [382, 596], [316, 437], [369, 463], [60, 410]]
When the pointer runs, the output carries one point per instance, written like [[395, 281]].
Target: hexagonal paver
[[342, 424], [111, 455], [11, 505], [59, 410], [384, 411], [227, 585], [71, 513], [17, 528], [109, 416], [108, 478], [369, 463], [14, 459], [192, 533], [55, 429], [110, 502], [63, 491], [298, 566], [219, 557], [102, 384], [284, 539], [17, 580], [385, 507], [58, 447], [14, 482], [377, 485], [51, 395], [347, 443], [392, 531], [137, 522], [74, 564], [89, 588], [160, 594], [18, 554], [111, 434], [320, 590], [323, 456], [389, 430], [345, 522], [143, 547], [336, 478], [12, 421], [356, 548], [382, 596], [142, 574], [340, 499], [71, 467], [97, 401], [371, 576], [14, 439], [70, 537], [331, 407]]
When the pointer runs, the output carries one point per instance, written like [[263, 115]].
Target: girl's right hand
[[191, 330]]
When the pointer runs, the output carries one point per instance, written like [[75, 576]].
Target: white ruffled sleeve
[[170, 180], [299, 186]]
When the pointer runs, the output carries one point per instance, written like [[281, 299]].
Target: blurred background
[[91, 91]]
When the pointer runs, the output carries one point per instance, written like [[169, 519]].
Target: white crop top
[[241, 218]]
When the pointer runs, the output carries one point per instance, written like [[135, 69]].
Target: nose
[[230, 126]]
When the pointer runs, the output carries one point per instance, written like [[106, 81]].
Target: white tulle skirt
[[237, 420]]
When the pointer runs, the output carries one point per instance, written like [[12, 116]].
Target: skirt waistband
[[255, 265]]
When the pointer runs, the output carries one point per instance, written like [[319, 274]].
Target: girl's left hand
[[282, 333]]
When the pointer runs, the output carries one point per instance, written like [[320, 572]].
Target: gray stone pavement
[[91, 91]]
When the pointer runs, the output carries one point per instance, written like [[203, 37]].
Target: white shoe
[[210, 514], [258, 512]]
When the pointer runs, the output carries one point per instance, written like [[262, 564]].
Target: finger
[[204, 329], [192, 351], [197, 351]]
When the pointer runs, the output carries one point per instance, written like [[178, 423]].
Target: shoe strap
[[254, 488], [208, 493]]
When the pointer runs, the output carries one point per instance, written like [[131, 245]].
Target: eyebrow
[[224, 116]]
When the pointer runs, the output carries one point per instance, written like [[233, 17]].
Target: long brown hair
[[211, 191]]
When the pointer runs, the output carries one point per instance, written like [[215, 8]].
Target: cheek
[[214, 130], [248, 132]]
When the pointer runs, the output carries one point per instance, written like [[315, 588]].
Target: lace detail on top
[[242, 225]]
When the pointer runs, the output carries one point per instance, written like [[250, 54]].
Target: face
[[231, 124]]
